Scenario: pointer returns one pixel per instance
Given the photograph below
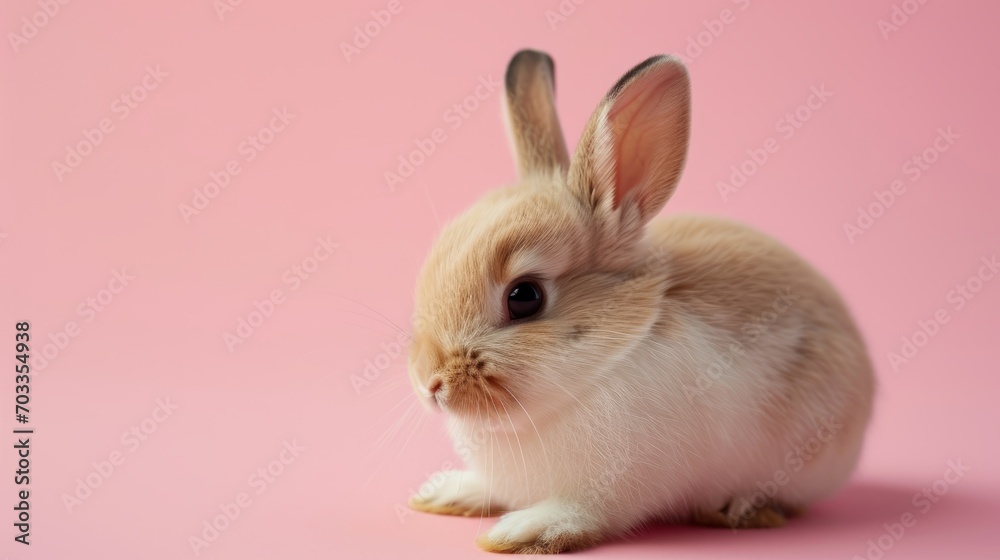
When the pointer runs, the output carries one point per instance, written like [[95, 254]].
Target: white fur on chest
[[643, 441]]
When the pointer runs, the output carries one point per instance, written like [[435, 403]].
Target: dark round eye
[[524, 299]]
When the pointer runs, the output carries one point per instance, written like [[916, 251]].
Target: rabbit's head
[[528, 297]]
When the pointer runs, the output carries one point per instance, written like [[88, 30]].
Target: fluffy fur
[[690, 369]]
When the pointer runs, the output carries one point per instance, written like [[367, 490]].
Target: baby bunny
[[601, 369]]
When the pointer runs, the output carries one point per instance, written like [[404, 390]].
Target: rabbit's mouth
[[468, 396]]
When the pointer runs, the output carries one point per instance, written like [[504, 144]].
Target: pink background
[[322, 176]]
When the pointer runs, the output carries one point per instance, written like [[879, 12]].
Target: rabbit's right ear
[[533, 125], [633, 149]]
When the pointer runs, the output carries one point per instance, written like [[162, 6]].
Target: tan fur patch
[[562, 543], [453, 509], [764, 518]]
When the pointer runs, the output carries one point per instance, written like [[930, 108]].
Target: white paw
[[544, 528], [454, 493]]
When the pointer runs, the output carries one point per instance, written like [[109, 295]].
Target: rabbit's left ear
[[633, 149], [533, 124]]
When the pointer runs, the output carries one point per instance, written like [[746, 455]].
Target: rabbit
[[600, 370]]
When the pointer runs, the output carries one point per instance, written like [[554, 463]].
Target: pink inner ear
[[637, 125]]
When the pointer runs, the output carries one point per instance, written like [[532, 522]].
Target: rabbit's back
[[788, 363]]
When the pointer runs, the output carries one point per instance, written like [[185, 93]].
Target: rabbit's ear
[[532, 122], [632, 152]]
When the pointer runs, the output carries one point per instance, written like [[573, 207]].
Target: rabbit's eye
[[524, 299]]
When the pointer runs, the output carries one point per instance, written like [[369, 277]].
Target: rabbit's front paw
[[545, 528], [455, 493]]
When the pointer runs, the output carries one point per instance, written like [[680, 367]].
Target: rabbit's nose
[[434, 384]]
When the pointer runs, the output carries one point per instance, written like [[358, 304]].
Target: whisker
[[383, 333], [375, 311], [406, 398], [421, 418], [500, 420], [427, 195], [395, 427], [313, 351], [378, 319], [541, 443], [527, 479], [386, 437], [489, 486], [390, 386]]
